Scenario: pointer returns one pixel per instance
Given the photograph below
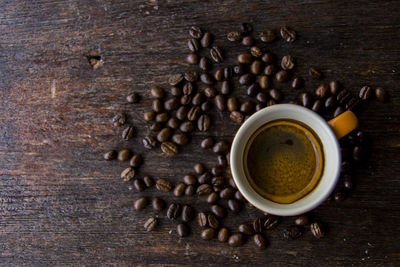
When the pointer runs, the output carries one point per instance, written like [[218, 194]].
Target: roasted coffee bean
[[191, 76], [292, 232], [163, 185], [239, 70], [315, 73], [206, 78], [174, 210], [204, 64], [267, 36], [204, 189], [252, 90], [239, 196], [186, 127], [226, 193], [287, 63], [198, 169], [207, 233], [357, 153], [158, 204], [175, 79], [236, 116], [282, 76], [139, 185], [189, 179], [268, 58], [218, 181], [365, 92], [180, 139], [219, 75], [258, 224], [150, 224], [216, 54], [246, 28], [334, 87], [128, 174], [212, 221], [212, 198], [317, 106], [176, 91], [246, 229], [343, 97], [149, 115], [169, 148], [173, 123], [148, 181], [288, 34], [302, 220], [245, 58], [185, 100], [263, 81], [221, 147], [322, 91], [256, 51], [198, 99], [339, 196], [348, 182], [247, 107], [156, 126], [222, 162], [192, 59], [210, 92], [220, 102], [223, 234], [162, 117], [124, 154], [206, 40], [217, 171], [204, 123], [330, 102], [236, 240], [119, 119], [182, 230], [381, 94], [354, 104], [271, 221], [262, 97], [317, 230], [202, 219], [187, 213], [110, 155], [164, 134], [234, 36], [270, 70], [133, 98], [225, 88], [260, 241], [195, 32], [259, 106], [188, 88], [247, 40], [275, 94], [232, 104], [193, 45], [207, 143], [206, 106], [181, 113], [140, 203], [179, 189], [234, 205], [193, 113], [157, 92], [297, 83], [218, 211], [157, 106], [190, 190]]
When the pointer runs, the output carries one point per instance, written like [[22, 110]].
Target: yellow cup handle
[[344, 123]]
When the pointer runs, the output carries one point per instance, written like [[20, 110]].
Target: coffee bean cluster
[[178, 112]]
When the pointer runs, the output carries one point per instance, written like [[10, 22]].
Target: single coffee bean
[[330, 102], [288, 34], [354, 104], [219, 74], [188, 88], [148, 181], [217, 170], [180, 139], [206, 78], [191, 76], [220, 102], [212, 221], [140, 203], [173, 123], [192, 59], [317, 230], [225, 88], [218, 181], [212, 198], [262, 97], [207, 234], [162, 117], [189, 179], [247, 40], [263, 81], [204, 123], [128, 174], [268, 58], [207, 143], [206, 40], [119, 119], [164, 135], [194, 113], [157, 92], [234, 36], [181, 113], [246, 229], [169, 148], [339, 196], [334, 87], [239, 70], [218, 211], [357, 153], [222, 162], [275, 94], [204, 189], [271, 221], [187, 213], [365, 93], [245, 58], [226, 193], [381, 94], [133, 98], [302, 220], [193, 45], [182, 230], [246, 28], [297, 83], [223, 235], [202, 219], [236, 240], [195, 32], [190, 190], [205, 178], [175, 79], [270, 70], [156, 126], [258, 224], [287, 63], [174, 210], [150, 224], [149, 115], [343, 97], [198, 99], [158, 204], [234, 205], [186, 127], [179, 189], [110, 155], [176, 91], [236, 116], [256, 51], [292, 232], [216, 54], [239, 197], [139, 185], [185, 100], [252, 90], [157, 106], [210, 92], [124, 154], [163, 185], [232, 104], [260, 241], [221, 147], [228, 73], [282, 76], [317, 106], [206, 106], [348, 182], [247, 107], [322, 91], [315, 73], [267, 36], [198, 168]]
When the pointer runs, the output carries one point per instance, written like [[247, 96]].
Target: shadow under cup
[[331, 152]]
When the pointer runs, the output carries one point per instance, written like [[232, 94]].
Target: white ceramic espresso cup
[[328, 133]]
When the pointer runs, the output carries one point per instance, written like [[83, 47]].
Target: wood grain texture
[[62, 204]]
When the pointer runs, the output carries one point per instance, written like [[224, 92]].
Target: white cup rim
[[331, 150]]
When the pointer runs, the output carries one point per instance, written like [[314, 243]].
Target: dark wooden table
[[62, 204]]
